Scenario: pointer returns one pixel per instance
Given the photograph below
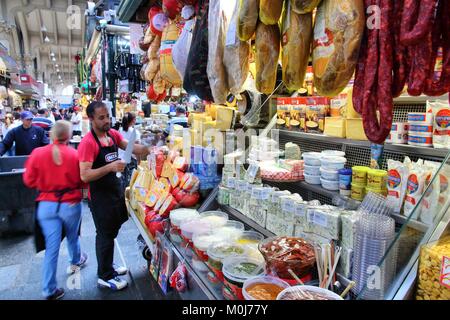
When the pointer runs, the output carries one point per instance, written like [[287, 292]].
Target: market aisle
[[20, 268]]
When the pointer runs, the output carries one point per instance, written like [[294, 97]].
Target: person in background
[[64, 114], [42, 121], [99, 164], [179, 119], [7, 125], [49, 115], [147, 108], [57, 116], [127, 128], [17, 121], [26, 137], [76, 120], [59, 205]]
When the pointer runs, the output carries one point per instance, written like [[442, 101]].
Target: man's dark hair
[[16, 115], [54, 109], [34, 111], [93, 106], [41, 111]]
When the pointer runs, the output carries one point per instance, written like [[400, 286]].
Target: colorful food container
[[202, 241], [307, 293], [178, 216], [358, 192], [219, 251], [263, 288], [215, 218], [359, 175], [376, 179]]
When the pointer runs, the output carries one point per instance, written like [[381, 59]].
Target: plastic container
[[215, 218], [236, 270], [329, 185], [420, 141], [312, 170], [312, 158], [382, 191], [188, 229], [267, 288], [231, 230], [345, 193], [178, 216], [358, 192], [359, 175], [421, 118], [219, 251], [331, 175], [307, 293], [250, 238], [333, 153], [312, 179], [202, 241], [376, 179], [333, 163], [345, 179]]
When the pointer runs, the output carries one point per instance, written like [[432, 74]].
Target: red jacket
[[44, 175]]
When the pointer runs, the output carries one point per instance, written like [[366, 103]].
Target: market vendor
[[26, 137], [99, 165]]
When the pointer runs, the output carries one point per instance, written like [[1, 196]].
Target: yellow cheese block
[[225, 117], [351, 112], [213, 111], [335, 127], [355, 129], [196, 138]]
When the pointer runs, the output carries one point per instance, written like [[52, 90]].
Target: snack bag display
[[397, 182]]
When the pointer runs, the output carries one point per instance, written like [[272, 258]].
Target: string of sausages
[[397, 52]]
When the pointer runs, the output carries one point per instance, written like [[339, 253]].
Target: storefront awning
[[8, 64]]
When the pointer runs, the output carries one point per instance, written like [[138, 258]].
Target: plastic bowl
[[250, 238], [312, 179], [270, 288], [302, 265], [231, 230], [202, 241], [312, 170], [178, 216], [333, 163], [188, 228], [214, 218], [330, 185], [331, 175], [333, 153], [312, 158], [307, 293], [219, 251]]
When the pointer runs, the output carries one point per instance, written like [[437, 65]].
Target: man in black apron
[[99, 165]]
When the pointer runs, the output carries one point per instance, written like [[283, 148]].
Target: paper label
[[252, 172], [266, 193], [256, 193], [300, 210], [445, 272], [317, 218], [288, 205]]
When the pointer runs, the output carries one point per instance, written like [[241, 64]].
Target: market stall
[[349, 174]]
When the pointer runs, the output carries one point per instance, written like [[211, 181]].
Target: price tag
[[445, 272], [300, 210], [256, 193], [231, 182], [288, 205], [319, 218], [266, 193]]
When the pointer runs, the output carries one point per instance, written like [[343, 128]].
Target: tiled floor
[[20, 268]]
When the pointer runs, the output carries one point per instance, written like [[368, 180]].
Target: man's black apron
[[107, 199]]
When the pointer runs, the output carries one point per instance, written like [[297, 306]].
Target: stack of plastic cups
[[374, 236]]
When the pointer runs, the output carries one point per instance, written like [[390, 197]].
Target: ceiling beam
[[24, 30], [69, 3], [48, 3], [55, 27], [39, 17]]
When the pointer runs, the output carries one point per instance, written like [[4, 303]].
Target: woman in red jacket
[[54, 171]]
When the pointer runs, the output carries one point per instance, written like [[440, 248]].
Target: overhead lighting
[[47, 39], [56, 66], [53, 59], [43, 29], [57, 70], [52, 54]]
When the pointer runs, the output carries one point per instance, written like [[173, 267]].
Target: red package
[[190, 182], [172, 8], [187, 199], [169, 204], [181, 163], [178, 279]]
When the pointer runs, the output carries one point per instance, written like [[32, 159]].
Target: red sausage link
[[417, 20], [401, 63]]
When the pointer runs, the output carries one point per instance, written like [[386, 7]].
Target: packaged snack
[[338, 106], [397, 182], [284, 113], [298, 113], [434, 270], [431, 196], [414, 189], [441, 123], [376, 151], [316, 112]]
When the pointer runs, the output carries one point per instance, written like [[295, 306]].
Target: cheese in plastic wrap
[[349, 220], [304, 6], [338, 31], [181, 48], [247, 19], [267, 55], [434, 271], [217, 27], [270, 11], [325, 223], [345, 265], [297, 32], [236, 57]]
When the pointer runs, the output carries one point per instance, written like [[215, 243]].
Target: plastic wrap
[[270, 11], [304, 6], [180, 50], [338, 31], [296, 43], [216, 45], [236, 57], [247, 18], [267, 54], [170, 36]]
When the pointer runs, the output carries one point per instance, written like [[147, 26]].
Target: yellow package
[[283, 113], [434, 271], [298, 114]]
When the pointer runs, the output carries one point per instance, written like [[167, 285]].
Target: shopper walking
[[42, 120], [59, 208], [99, 164], [126, 130], [8, 125], [76, 121], [26, 137]]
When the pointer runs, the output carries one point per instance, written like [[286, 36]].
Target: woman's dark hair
[[127, 119], [93, 106]]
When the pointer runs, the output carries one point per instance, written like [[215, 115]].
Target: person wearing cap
[[179, 119], [26, 137], [76, 121]]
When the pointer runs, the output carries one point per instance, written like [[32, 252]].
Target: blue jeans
[[52, 224]]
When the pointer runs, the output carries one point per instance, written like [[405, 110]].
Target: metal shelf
[[407, 99], [419, 226], [246, 221], [142, 230]]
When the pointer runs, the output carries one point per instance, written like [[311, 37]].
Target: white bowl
[[312, 170], [330, 185], [333, 163], [312, 158], [312, 179], [331, 175], [298, 290], [333, 153]]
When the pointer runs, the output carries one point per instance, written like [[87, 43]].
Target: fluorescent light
[[47, 39], [57, 70], [52, 54], [56, 66], [53, 59]]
